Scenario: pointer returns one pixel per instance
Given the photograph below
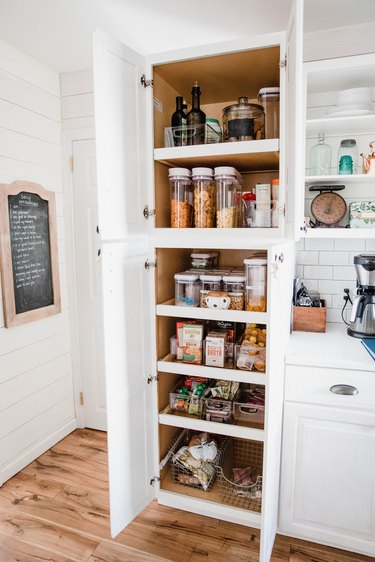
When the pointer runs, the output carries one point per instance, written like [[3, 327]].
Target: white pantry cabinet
[[323, 81], [328, 458], [139, 309]]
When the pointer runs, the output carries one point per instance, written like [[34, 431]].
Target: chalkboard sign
[[29, 263]]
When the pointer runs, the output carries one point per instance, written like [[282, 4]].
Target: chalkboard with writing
[[29, 262]]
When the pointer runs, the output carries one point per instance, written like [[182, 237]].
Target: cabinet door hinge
[[149, 264], [146, 82], [81, 398], [152, 378], [147, 213], [154, 480], [283, 63], [71, 163]]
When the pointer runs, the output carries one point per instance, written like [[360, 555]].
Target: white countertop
[[334, 349]]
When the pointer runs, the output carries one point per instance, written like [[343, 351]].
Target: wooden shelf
[[189, 422], [186, 369], [344, 179], [260, 155], [339, 125], [170, 309]]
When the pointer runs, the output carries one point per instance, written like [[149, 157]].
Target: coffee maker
[[362, 318]]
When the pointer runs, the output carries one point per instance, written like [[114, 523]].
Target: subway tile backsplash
[[327, 265]]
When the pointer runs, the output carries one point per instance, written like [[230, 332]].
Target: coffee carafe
[[362, 318]]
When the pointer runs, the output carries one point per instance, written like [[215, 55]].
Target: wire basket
[[241, 453], [182, 475]]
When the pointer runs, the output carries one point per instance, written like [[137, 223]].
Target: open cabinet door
[[294, 135], [126, 282]]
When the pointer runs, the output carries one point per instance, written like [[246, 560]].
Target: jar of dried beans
[[204, 197], [182, 198]]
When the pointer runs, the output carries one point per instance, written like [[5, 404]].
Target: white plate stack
[[352, 102]]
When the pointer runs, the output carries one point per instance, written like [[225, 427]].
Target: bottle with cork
[[196, 118]]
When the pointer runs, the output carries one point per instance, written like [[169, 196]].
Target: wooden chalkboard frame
[[11, 318]]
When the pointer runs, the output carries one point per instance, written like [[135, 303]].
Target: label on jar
[[241, 128]]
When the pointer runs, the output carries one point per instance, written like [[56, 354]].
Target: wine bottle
[[178, 120], [196, 116]]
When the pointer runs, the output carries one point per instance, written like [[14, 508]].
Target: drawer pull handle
[[345, 389]]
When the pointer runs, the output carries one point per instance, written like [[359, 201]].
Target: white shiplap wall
[[77, 100], [36, 384]]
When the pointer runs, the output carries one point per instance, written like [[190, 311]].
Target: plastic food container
[[243, 121], [209, 283], [187, 289], [213, 131], [182, 198], [204, 197], [177, 136], [183, 400], [259, 214], [250, 358], [256, 284], [270, 99], [234, 285], [204, 261], [228, 197]]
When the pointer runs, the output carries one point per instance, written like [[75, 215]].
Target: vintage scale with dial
[[328, 208]]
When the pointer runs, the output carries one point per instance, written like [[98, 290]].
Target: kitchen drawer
[[312, 385]]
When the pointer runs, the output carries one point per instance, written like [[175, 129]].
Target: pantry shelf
[[343, 179], [211, 427], [178, 368], [170, 309], [217, 238], [258, 155], [340, 125]]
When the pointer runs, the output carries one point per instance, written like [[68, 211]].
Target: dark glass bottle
[[179, 120], [196, 117]]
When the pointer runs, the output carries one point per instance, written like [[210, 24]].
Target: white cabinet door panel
[[328, 476]]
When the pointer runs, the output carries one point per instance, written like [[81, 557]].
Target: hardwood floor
[[56, 510]]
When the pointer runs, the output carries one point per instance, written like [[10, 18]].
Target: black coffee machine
[[362, 318]]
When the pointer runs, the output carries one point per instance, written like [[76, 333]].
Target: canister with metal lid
[[243, 121]]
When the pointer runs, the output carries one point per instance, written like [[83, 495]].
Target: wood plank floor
[[56, 510]]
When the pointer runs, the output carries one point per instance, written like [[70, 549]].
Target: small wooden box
[[309, 318]]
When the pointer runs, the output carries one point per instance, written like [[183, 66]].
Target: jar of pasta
[[228, 197], [209, 282], [182, 198], [204, 197]]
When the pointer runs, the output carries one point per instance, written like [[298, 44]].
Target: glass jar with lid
[[204, 197], [228, 197], [209, 282], [187, 286], [182, 198], [243, 121], [256, 284], [234, 285]]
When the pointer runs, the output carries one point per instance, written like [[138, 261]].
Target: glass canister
[[182, 198], [348, 147], [243, 121], [187, 289], [204, 197], [270, 99], [256, 284], [209, 282], [234, 285], [228, 197]]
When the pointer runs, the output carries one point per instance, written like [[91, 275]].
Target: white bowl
[[354, 96]]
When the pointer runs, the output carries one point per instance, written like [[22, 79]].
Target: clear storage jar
[[228, 197], [187, 289], [201, 260], [182, 198], [256, 284], [204, 197], [270, 99], [234, 285], [243, 121], [209, 283]]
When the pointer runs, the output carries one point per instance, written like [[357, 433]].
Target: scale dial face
[[328, 208]]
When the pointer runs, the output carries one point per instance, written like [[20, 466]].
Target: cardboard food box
[[310, 318]]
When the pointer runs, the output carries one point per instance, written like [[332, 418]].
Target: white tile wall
[[327, 265]]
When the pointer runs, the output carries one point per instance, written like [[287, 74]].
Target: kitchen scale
[[328, 208]]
